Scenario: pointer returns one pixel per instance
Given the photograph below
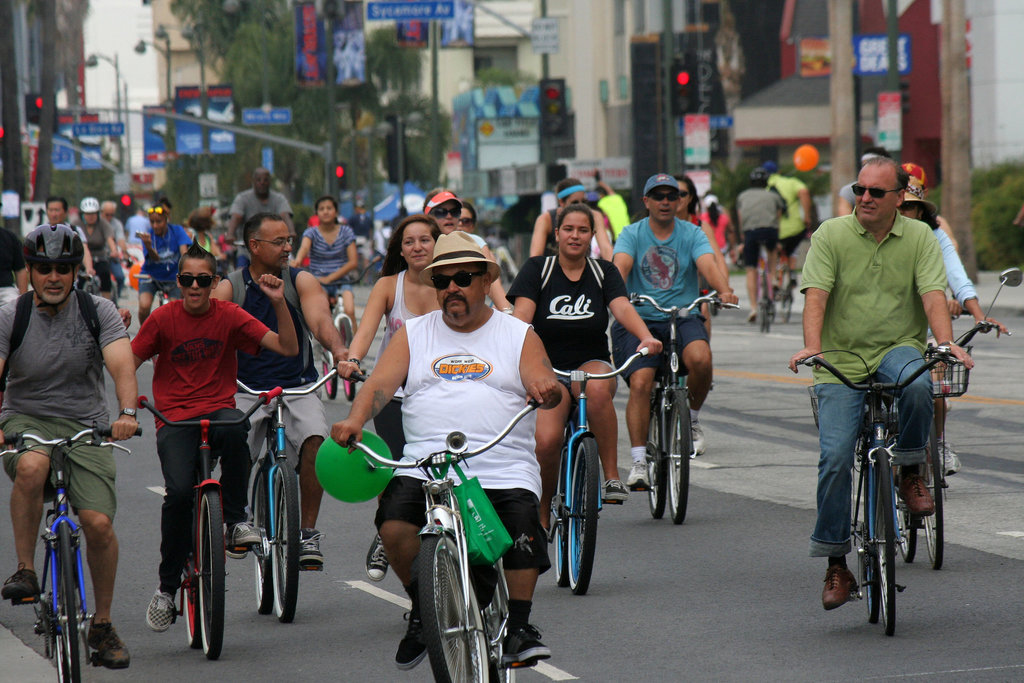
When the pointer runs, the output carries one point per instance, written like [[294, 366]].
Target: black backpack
[[23, 313]]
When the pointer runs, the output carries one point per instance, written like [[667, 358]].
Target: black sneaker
[[22, 585], [310, 557], [523, 647], [376, 560], [111, 651], [411, 650]]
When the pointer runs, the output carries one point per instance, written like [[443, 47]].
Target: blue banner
[[188, 136], [871, 53], [220, 109], [63, 154], [458, 32], [91, 155], [350, 47], [310, 52], [154, 132]]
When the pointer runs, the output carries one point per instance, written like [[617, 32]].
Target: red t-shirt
[[195, 370]]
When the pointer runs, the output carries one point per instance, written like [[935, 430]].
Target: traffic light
[[554, 114], [905, 96], [341, 175], [33, 107], [684, 84], [126, 201]]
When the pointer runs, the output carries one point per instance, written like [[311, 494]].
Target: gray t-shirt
[[58, 369], [248, 204], [759, 208]]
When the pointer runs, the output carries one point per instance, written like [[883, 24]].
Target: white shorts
[[304, 417]]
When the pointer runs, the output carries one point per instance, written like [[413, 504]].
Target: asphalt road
[[729, 595]]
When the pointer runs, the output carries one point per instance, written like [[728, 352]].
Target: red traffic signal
[[339, 171], [126, 200], [554, 110], [683, 78]]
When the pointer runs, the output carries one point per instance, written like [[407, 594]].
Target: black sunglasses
[[45, 268], [203, 280], [441, 212], [462, 279], [662, 196], [467, 221], [875, 192]]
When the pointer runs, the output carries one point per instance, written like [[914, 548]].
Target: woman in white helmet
[[99, 235]]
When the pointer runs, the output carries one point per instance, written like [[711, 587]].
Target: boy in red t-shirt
[[195, 340]]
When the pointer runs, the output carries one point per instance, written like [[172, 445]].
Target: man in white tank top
[[467, 368]]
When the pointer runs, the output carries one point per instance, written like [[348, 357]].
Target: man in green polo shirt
[[873, 283]]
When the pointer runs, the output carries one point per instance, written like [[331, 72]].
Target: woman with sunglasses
[[567, 298], [397, 296], [689, 211], [163, 244], [331, 247]]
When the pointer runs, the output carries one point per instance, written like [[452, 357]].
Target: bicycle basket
[[814, 404], [949, 379], [486, 537]]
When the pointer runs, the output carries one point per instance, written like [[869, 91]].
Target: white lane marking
[[946, 672], [158, 490], [1014, 534], [551, 672], [703, 464]]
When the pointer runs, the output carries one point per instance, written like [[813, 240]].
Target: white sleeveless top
[[470, 382], [395, 319]]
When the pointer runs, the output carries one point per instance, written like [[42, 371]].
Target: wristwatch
[[130, 412]]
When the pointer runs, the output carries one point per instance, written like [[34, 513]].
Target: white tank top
[[395, 319], [470, 382]]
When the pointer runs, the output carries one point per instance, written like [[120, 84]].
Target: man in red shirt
[[195, 340]]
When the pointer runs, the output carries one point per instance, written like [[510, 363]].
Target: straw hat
[[455, 248]]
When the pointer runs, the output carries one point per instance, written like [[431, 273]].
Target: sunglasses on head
[[46, 268], [441, 212], [462, 278], [671, 195], [156, 209], [203, 280], [875, 192]]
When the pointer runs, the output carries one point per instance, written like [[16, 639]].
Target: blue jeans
[[840, 415]]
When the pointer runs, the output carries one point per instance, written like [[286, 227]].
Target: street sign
[[697, 129], [97, 128], [267, 157], [208, 186], [720, 121], [890, 121], [257, 116], [421, 10], [544, 36], [871, 54], [32, 215]]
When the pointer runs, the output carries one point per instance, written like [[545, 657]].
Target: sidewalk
[[20, 662]]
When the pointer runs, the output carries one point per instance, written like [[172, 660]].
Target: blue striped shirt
[[326, 258]]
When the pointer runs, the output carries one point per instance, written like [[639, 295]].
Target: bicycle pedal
[[237, 551], [311, 566], [639, 487], [900, 589], [30, 600], [605, 501]]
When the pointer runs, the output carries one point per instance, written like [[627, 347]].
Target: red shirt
[[194, 373]]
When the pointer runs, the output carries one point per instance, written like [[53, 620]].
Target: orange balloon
[[805, 157], [133, 275]]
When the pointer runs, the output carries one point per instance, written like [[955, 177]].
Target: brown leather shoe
[[839, 587], [916, 496]]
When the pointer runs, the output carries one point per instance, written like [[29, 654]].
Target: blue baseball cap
[[660, 180], [770, 166]]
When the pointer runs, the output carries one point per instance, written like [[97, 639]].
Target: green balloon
[[353, 477]]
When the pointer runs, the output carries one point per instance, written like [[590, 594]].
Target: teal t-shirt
[[665, 270], [875, 289]]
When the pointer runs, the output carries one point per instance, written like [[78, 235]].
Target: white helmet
[[89, 205]]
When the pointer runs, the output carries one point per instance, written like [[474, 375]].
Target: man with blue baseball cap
[[661, 256]]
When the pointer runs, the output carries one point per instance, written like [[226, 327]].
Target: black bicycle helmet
[[759, 177], [53, 244]]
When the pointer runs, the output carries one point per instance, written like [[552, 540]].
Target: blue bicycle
[[577, 500], [61, 608], [884, 527]]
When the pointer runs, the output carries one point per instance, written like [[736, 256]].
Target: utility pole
[[668, 124], [330, 180], [956, 131], [435, 109], [892, 76], [844, 133]]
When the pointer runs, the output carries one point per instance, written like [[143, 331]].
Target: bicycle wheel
[[285, 543], [332, 385], [495, 621], [583, 516], [560, 520], [452, 626], [867, 555], [262, 568], [678, 461], [69, 609], [211, 572], [933, 524], [786, 304], [885, 538], [345, 327], [190, 598], [656, 459]]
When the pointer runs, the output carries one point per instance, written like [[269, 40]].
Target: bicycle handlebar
[[455, 444], [983, 326], [265, 398], [581, 375], [941, 355], [18, 440], [356, 377], [709, 298]]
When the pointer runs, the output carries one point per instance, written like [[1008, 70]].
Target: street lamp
[[94, 60], [160, 34]]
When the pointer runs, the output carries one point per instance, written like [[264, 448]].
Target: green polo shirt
[[875, 289]]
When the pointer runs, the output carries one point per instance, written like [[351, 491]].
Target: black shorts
[[752, 239], [789, 244], [517, 508], [688, 329]]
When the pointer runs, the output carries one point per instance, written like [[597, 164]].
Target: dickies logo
[[459, 368]]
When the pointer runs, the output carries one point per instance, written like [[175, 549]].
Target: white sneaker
[[950, 460], [697, 435], [161, 612], [638, 476]]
